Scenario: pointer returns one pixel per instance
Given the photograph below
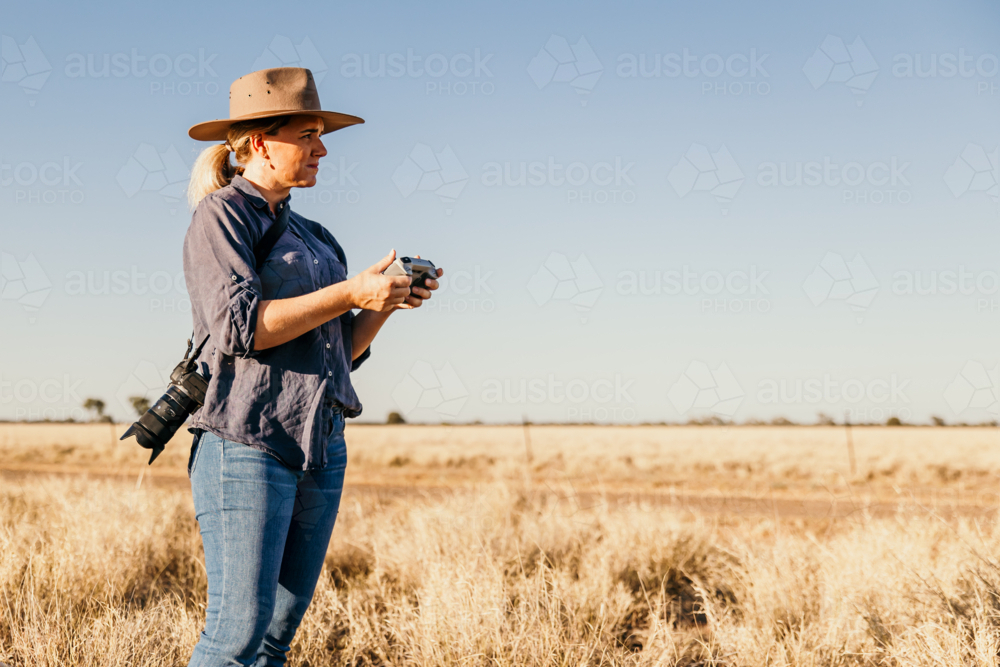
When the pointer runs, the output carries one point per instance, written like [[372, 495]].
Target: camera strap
[[271, 236]]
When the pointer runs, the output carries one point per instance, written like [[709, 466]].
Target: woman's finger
[[399, 281]]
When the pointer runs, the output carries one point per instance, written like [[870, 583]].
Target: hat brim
[[218, 130]]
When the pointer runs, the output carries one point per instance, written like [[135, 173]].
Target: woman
[[268, 457]]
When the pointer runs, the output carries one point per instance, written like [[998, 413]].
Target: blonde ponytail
[[210, 172], [213, 170]]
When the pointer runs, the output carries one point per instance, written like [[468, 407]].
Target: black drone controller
[[420, 270]]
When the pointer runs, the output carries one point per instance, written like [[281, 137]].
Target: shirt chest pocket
[[289, 271]]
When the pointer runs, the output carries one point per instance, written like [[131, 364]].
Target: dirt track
[[585, 502]]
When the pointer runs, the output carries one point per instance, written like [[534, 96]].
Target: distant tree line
[[140, 404]]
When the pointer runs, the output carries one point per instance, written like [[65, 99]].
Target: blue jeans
[[266, 529]]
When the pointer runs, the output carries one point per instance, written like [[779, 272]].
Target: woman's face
[[294, 152]]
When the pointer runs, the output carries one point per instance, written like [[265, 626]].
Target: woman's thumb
[[384, 263]]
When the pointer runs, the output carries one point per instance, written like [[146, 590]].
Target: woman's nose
[[321, 150]]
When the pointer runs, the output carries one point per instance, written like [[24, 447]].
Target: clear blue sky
[[661, 260]]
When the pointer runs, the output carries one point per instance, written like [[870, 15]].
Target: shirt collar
[[253, 194]]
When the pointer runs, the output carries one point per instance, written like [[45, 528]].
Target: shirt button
[[328, 346], [315, 261], [329, 374], [234, 277]]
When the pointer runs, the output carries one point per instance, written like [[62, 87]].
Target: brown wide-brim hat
[[280, 91]]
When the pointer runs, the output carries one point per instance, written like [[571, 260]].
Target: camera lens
[[158, 425]]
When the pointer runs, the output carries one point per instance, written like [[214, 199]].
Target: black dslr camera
[[185, 394]]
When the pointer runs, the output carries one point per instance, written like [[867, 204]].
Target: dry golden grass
[[512, 566], [960, 464], [98, 573]]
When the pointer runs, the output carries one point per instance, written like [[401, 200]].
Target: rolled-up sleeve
[[223, 285]]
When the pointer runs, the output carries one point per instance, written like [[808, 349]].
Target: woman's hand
[[371, 290], [416, 299], [367, 324]]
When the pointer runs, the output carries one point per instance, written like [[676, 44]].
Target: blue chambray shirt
[[281, 400]]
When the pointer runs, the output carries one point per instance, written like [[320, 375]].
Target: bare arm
[[281, 320], [366, 326]]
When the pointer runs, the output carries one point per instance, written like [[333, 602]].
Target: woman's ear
[[258, 146]]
